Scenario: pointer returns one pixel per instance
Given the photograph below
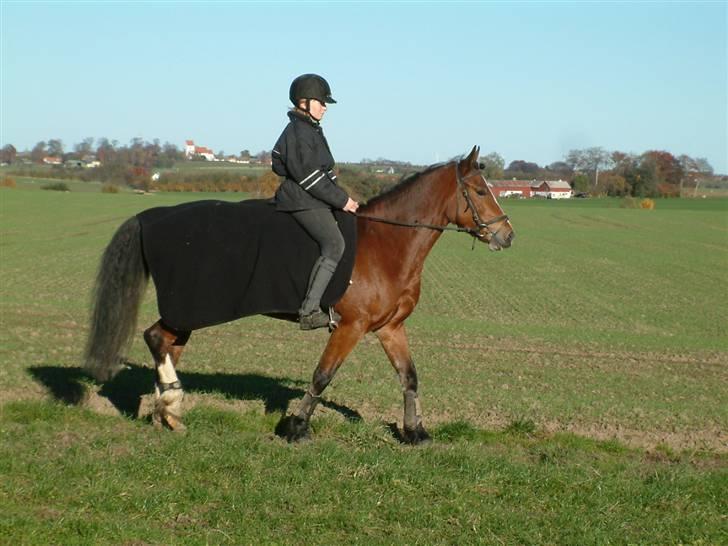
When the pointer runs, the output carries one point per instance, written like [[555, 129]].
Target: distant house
[[90, 161], [553, 189], [550, 189], [52, 160], [511, 188], [191, 151]]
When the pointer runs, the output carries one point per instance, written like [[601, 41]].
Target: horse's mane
[[405, 183]]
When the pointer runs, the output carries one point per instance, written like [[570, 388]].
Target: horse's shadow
[[125, 391]]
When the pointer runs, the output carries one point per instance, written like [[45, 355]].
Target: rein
[[418, 225], [474, 232]]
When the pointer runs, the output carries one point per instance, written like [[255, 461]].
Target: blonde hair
[[301, 111]]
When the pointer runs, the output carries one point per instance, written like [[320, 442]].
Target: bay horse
[[395, 232]]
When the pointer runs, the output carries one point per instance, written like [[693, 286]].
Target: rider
[[309, 190]]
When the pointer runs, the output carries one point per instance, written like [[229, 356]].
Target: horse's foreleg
[[341, 342], [394, 342], [166, 346]]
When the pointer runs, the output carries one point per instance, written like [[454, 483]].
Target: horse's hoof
[[416, 436], [293, 428], [165, 420], [174, 423]]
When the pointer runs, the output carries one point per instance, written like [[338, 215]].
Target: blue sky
[[415, 81]]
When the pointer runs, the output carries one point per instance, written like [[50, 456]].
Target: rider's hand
[[351, 205]]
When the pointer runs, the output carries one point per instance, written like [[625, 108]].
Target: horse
[[395, 232]]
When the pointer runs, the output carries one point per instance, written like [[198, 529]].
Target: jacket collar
[[296, 115]]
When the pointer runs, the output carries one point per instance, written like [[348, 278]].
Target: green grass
[[35, 183], [573, 385], [87, 479]]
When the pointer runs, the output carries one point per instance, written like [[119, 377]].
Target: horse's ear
[[471, 161]]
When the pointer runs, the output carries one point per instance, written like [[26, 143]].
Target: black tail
[[120, 285]]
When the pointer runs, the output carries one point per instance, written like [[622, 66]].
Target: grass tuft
[[457, 430], [56, 186], [521, 427], [110, 188]]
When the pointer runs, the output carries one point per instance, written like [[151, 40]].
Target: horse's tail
[[120, 285]]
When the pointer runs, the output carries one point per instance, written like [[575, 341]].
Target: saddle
[[217, 261]]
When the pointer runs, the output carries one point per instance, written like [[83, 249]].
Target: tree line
[[655, 173], [131, 164], [591, 170]]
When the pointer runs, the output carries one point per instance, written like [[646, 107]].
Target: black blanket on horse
[[217, 261]]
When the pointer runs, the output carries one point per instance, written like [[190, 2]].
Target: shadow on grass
[[125, 391]]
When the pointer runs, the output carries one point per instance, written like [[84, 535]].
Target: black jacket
[[303, 157]]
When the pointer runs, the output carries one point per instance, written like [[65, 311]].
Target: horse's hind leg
[[166, 346]]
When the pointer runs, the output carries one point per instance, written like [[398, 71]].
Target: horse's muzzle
[[499, 240]]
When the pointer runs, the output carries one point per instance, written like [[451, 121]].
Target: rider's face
[[317, 109]]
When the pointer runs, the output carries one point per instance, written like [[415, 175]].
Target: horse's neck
[[424, 202]]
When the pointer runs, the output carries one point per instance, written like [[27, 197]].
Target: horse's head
[[476, 207]]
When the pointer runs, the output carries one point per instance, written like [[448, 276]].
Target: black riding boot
[[310, 315]]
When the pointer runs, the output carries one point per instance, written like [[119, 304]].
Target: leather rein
[[479, 223]]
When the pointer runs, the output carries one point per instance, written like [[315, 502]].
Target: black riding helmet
[[310, 86]]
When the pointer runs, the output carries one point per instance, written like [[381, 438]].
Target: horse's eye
[[481, 192]]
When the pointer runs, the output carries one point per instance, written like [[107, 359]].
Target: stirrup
[[334, 319]]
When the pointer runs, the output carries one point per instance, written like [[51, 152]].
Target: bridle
[[480, 224]]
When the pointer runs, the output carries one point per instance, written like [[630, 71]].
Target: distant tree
[[703, 166], [590, 160], [622, 163], [643, 178], [522, 170], [8, 154], [106, 151], [38, 152], [690, 170], [135, 153], [84, 148], [245, 155], [169, 154], [612, 184], [561, 167], [694, 171], [557, 169], [55, 147], [492, 165], [667, 167], [264, 157], [580, 184], [523, 166]]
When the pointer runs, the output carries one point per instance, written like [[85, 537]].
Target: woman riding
[[309, 190]]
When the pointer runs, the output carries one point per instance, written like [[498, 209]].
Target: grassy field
[[574, 386]]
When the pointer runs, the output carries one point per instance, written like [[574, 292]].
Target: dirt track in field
[[707, 367]]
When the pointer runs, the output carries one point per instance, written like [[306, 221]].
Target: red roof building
[[550, 189], [191, 150], [511, 188]]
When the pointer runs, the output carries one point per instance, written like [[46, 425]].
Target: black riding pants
[[322, 227]]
